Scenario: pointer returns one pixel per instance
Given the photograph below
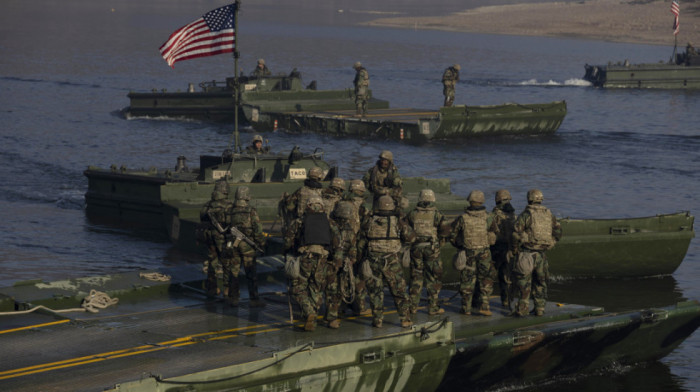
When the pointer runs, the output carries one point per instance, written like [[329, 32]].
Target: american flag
[[675, 10], [213, 33]]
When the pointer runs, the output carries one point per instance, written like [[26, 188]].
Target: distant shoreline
[[631, 21]]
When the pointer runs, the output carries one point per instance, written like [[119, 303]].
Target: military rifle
[[237, 234]]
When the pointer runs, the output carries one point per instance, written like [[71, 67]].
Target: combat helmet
[[535, 196], [337, 183], [385, 203], [357, 65], [358, 187], [426, 196], [261, 61], [502, 195], [476, 197], [457, 67], [315, 173], [386, 154], [344, 210], [220, 190], [243, 193], [314, 204], [257, 138]]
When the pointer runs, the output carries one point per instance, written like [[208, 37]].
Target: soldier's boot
[[406, 323], [255, 301], [522, 309], [335, 324], [485, 310], [232, 293], [436, 312], [361, 308], [539, 312], [377, 323], [310, 324]]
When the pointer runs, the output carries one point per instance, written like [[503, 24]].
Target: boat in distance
[[160, 333], [170, 200]]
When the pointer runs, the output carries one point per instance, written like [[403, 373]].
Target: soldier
[[425, 220], [261, 69], [361, 83], [384, 179], [379, 243], [340, 278], [356, 195], [311, 238], [256, 146], [333, 194], [449, 80], [244, 218], [690, 54], [293, 206], [503, 214], [472, 233], [214, 221], [535, 231]]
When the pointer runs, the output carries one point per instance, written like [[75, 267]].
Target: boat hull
[[654, 76]]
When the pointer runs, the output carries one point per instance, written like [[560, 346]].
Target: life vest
[[539, 234], [475, 232], [383, 234], [424, 223]]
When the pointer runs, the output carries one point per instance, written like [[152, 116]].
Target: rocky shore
[[637, 21]]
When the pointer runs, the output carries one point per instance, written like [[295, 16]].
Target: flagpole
[[236, 54], [675, 46]]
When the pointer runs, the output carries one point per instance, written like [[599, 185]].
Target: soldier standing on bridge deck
[[379, 243], [214, 221], [311, 238], [293, 206], [340, 279], [472, 233], [356, 195], [535, 231], [426, 221], [449, 81], [361, 83], [245, 219], [384, 179], [333, 194], [503, 214]]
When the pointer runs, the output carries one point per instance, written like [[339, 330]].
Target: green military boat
[[169, 200], [155, 331], [412, 125], [216, 100], [681, 73]]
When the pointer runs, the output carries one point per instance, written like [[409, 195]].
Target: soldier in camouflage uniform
[[379, 243], [384, 179], [449, 80], [293, 206], [535, 231], [503, 214], [261, 70], [361, 83], [245, 218], [356, 195], [312, 238], [473, 232], [333, 194], [340, 278], [256, 146], [214, 221], [425, 220]]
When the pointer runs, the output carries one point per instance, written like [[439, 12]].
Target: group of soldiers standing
[[337, 249]]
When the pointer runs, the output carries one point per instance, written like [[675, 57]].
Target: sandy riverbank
[[638, 21]]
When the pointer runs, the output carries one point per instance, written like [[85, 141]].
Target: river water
[[66, 67]]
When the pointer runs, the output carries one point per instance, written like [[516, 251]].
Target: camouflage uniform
[[361, 83], [449, 80], [340, 272], [426, 264], [384, 179], [261, 69], [254, 149], [379, 243], [535, 231], [293, 206], [215, 210], [356, 196], [332, 194], [503, 214], [312, 238], [473, 232], [245, 218]]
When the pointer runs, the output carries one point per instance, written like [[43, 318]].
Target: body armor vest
[[475, 233], [383, 235], [540, 231], [424, 223], [240, 217], [316, 229], [329, 201], [354, 221]]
